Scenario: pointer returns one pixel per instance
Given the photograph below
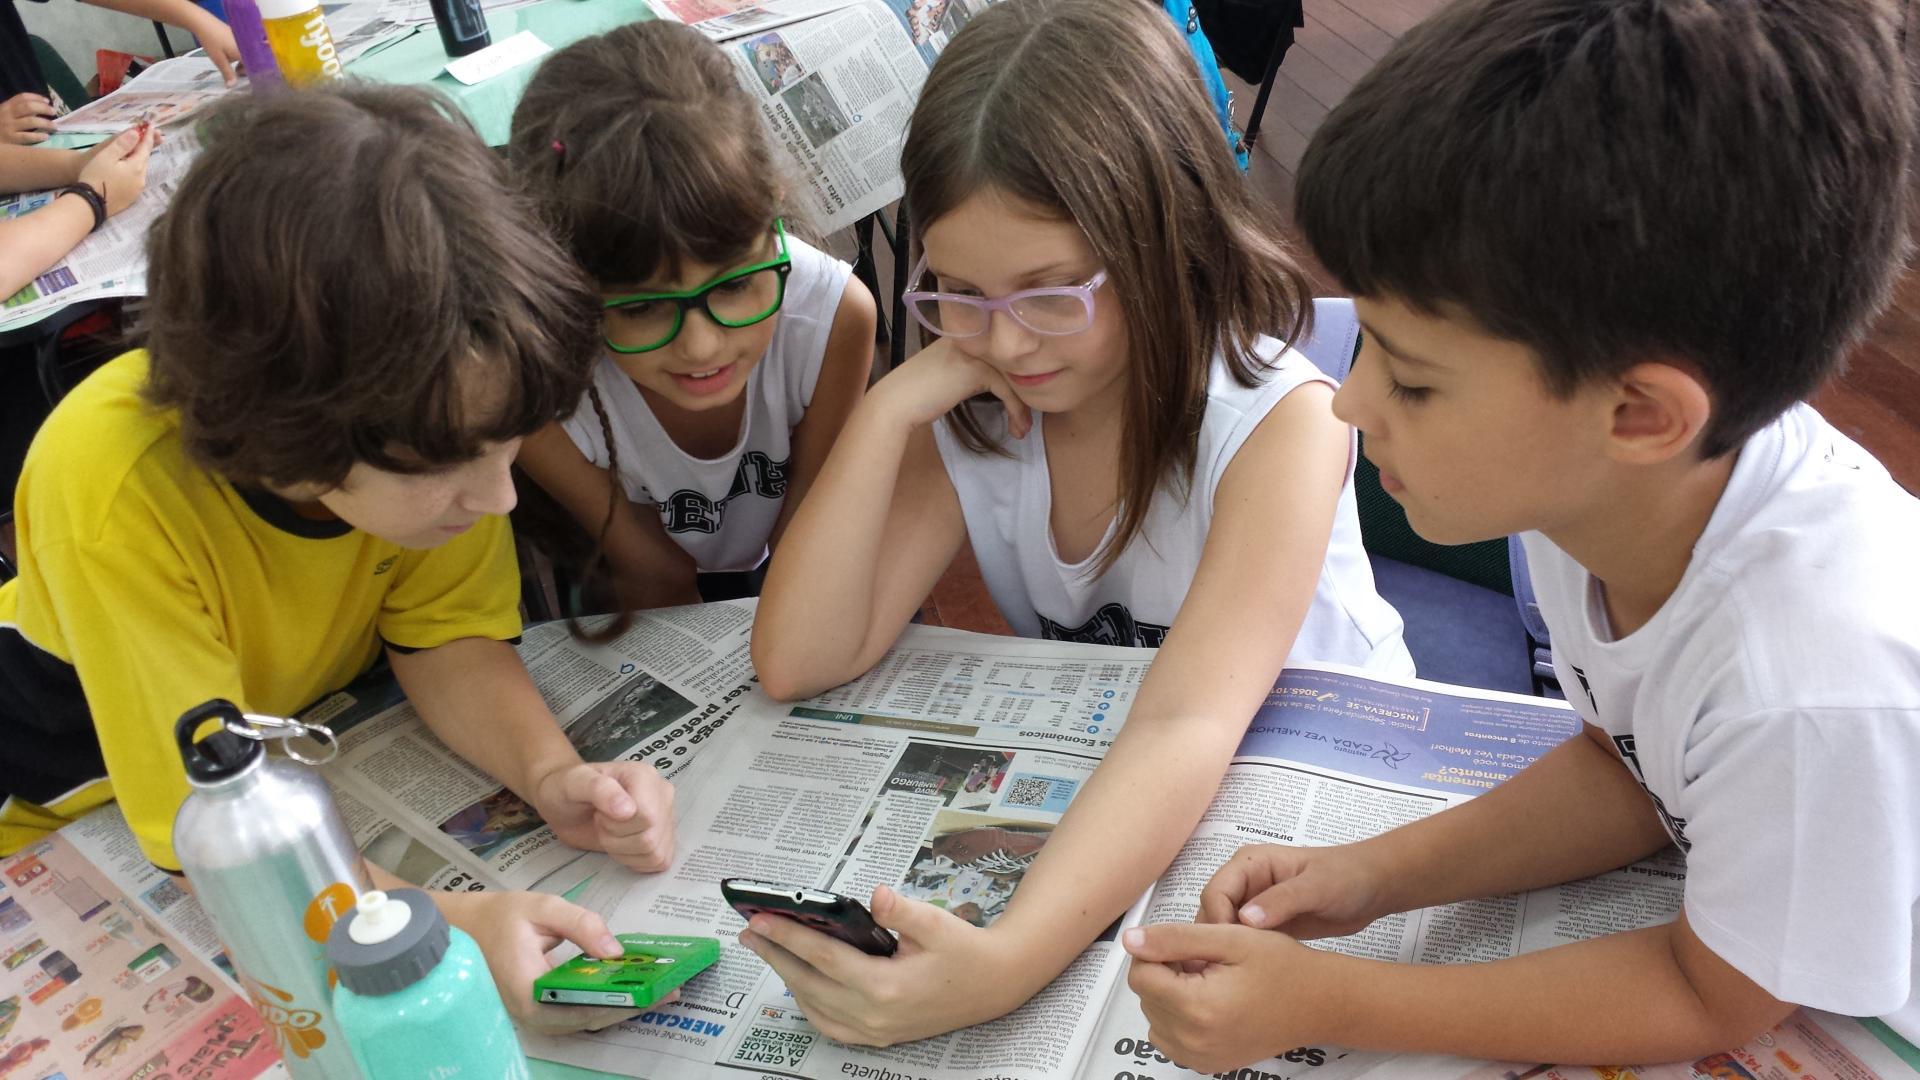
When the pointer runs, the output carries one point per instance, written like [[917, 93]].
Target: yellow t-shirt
[[149, 585]]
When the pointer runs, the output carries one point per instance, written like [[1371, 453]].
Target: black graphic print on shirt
[[690, 511], [1113, 624], [1624, 746]]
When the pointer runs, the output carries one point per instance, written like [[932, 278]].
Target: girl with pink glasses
[[1110, 416]]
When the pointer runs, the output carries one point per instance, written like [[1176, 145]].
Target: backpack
[[1187, 19]]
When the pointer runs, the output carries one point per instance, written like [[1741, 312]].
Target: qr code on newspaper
[[164, 895], [1030, 791]]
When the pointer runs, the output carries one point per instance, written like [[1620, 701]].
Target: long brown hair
[[1093, 110], [644, 153]]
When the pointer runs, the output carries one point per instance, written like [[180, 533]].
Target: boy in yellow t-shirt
[[307, 467]]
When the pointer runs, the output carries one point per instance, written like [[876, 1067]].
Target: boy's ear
[[1660, 411]]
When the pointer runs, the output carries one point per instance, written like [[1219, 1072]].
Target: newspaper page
[[1335, 757], [722, 20], [657, 694], [365, 25], [113, 260], [163, 94], [836, 90], [943, 772], [110, 970]]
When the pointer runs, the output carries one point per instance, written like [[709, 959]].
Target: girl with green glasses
[[734, 351]]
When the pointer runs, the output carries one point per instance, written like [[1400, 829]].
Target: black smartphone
[[830, 913]]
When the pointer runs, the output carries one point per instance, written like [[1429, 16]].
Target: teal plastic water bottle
[[415, 1000]]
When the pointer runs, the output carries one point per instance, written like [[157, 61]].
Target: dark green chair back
[[59, 76], [1384, 531]]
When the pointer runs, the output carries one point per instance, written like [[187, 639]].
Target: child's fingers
[[1019, 417], [568, 921], [1279, 905], [587, 786], [1171, 943]]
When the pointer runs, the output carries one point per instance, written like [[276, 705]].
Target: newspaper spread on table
[[657, 693], [942, 773], [835, 87], [163, 94]]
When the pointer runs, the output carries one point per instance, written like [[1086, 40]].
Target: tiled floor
[[1877, 401]]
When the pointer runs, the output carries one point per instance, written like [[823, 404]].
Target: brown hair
[[644, 153], [1093, 109], [1724, 182], [333, 265]]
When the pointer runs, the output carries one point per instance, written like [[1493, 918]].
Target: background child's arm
[[844, 373], [875, 532], [31, 243], [649, 570], [1272, 516], [476, 695], [23, 168], [1649, 995]]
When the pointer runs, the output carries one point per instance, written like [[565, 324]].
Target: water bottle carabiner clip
[[260, 728]]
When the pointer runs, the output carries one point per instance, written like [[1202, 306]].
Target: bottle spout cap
[[388, 942], [378, 918]]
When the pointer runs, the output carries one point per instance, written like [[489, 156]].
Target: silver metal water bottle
[[269, 858]]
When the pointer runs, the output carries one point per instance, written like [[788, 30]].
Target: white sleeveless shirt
[[1007, 502], [722, 510]]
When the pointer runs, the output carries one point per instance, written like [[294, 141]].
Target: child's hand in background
[[26, 119], [118, 167]]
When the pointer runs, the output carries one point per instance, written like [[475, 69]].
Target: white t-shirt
[[722, 510], [1008, 503], [1771, 708]]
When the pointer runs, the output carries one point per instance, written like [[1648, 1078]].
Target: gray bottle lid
[[401, 935]]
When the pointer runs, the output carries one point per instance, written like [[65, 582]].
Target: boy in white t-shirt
[[1602, 251]]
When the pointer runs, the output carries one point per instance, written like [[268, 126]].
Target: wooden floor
[[1876, 402]]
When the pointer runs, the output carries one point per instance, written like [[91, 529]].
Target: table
[[420, 60]]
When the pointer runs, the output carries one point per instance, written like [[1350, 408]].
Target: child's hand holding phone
[[842, 917]]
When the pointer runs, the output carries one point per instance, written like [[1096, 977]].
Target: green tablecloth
[[420, 59]]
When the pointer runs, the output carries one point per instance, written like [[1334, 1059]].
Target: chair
[[1469, 610], [60, 78]]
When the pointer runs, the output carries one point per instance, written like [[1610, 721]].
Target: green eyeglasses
[[643, 322]]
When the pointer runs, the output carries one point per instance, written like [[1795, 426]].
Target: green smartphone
[[654, 966]]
